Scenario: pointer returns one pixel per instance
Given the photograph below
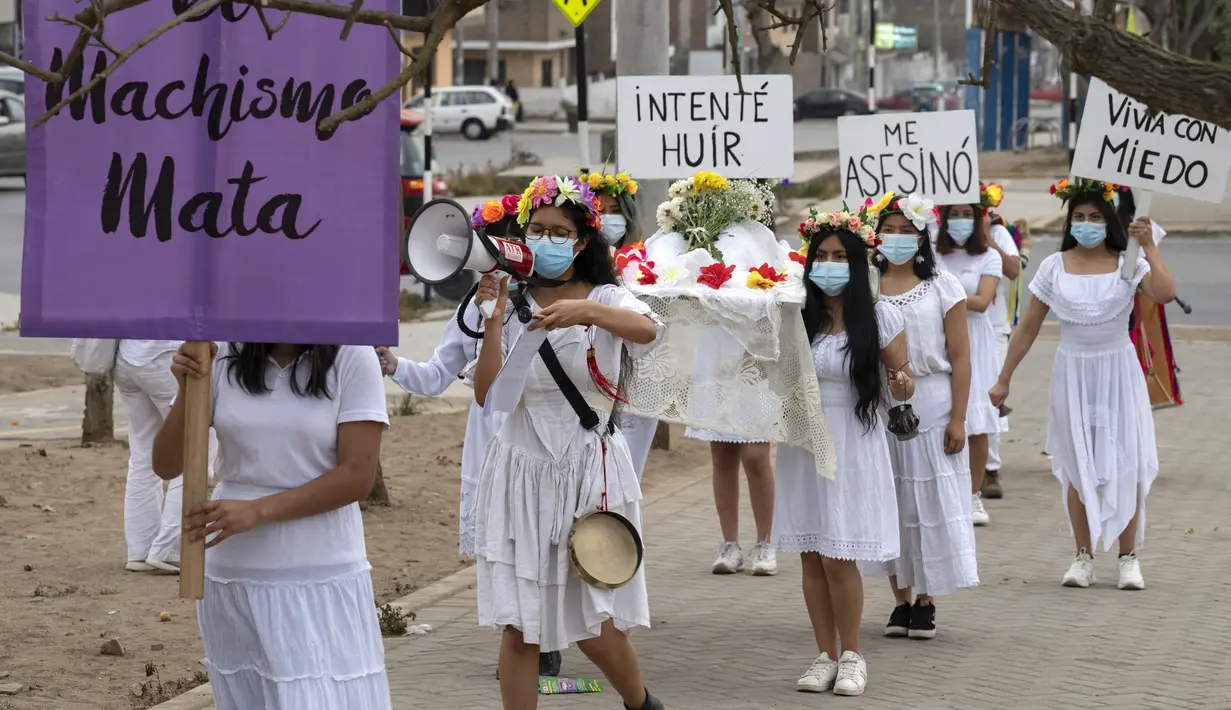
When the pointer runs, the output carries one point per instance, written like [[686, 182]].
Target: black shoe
[[549, 664], [899, 621], [651, 703], [922, 621], [992, 489]]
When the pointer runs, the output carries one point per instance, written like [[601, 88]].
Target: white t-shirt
[[272, 442], [143, 352], [998, 311]]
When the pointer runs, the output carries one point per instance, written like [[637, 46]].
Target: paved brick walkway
[[1020, 640]]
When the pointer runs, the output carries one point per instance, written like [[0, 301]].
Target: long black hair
[[977, 244], [248, 364], [1117, 237], [592, 264], [925, 269], [863, 351]]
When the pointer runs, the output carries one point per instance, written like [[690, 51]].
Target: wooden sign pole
[[196, 472]]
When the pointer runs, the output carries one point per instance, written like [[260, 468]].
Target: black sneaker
[[549, 664], [899, 621], [651, 703], [922, 621]]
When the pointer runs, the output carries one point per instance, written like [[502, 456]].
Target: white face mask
[[613, 228]]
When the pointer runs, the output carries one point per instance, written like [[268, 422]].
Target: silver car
[[12, 135]]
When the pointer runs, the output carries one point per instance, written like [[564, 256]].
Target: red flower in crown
[[715, 275], [509, 203]]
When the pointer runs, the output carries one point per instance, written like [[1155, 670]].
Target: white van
[[477, 112]]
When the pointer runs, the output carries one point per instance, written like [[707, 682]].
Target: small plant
[[412, 306], [409, 406], [392, 619], [487, 181], [156, 692]]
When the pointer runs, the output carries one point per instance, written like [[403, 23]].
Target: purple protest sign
[[189, 197]]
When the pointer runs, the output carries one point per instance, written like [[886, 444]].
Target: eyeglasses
[[557, 235]]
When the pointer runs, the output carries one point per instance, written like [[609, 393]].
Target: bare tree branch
[[1105, 10], [733, 39], [440, 21], [269, 30], [122, 57], [397, 40], [1159, 79], [989, 41], [355, 7], [325, 8]]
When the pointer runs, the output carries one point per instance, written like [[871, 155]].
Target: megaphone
[[441, 243]]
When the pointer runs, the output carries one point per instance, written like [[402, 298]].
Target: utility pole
[[459, 55], [872, 55], [936, 40], [492, 10], [645, 26]]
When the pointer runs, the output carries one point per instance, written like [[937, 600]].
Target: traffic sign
[[576, 10]]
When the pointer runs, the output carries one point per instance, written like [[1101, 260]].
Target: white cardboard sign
[[669, 127], [1121, 142], [935, 154]]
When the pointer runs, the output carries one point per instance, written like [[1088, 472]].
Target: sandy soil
[[25, 373], [64, 592]]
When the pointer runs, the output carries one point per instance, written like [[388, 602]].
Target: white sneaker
[[978, 514], [852, 675], [764, 560], [730, 559], [820, 675], [1130, 573], [162, 566], [1081, 572], [137, 566]]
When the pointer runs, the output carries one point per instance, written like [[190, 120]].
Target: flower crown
[[862, 224], [614, 185], [493, 211], [553, 190], [920, 211], [990, 196], [1083, 187]]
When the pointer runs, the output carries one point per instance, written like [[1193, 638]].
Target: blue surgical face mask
[[613, 229], [550, 260], [961, 229], [830, 276], [899, 248], [1088, 234]]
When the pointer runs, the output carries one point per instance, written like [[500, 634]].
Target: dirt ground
[[64, 591], [26, 373]]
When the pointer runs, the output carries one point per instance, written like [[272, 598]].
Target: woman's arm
[[350, 481], [491, 355], [985, 295], [1023, 337], [1158, 285], [168, 453], [432, 378], [894, 357], [957, 342], [624, 323], [1010, 262]]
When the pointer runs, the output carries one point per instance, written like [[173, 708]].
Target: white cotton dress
[[287, 619], [933, 487], [981, 416], [855, 515], [541, 472], [1100, 428], [431, 379]]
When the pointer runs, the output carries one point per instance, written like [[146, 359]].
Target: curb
[[201, 698]]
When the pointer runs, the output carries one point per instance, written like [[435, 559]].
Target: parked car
[[12, 135], [899, 101], [412, 151], [830, 103], [477, 112], [12, 80]]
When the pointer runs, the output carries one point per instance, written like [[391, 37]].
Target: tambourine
[[605, 549], [903, 422]]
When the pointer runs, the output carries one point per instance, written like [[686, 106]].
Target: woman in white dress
[[931, 470], [621, 226], [543, 469], [833, 524], [1100, 428], [287, 619], [963, 249], [1011, 265], [451, 361]]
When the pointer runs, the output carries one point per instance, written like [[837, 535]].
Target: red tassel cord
[[604, 385]]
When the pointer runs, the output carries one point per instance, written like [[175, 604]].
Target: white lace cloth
[[755, 380]]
